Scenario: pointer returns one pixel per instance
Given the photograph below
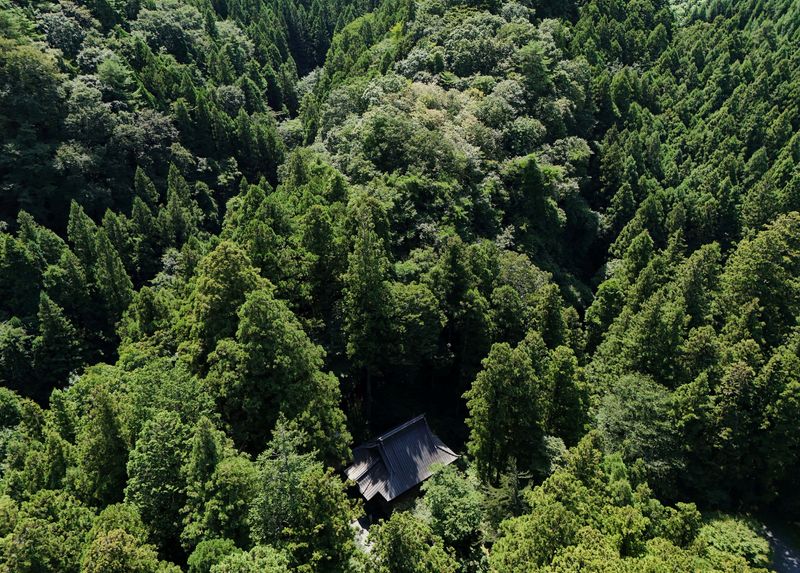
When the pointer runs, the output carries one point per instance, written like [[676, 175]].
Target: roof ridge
[[401, 427], [444, 448], [385, 458]]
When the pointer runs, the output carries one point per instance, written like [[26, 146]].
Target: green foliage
[[273, 367], [259, 558], [404, 544], [568, 396], [574, 224], [102, 451], [533, 540], [49, 534], [10, 408], [635, 419], [56, 350], [220, 488], [15, 356], [120, 516], [453, 503], [300, 506], [415, 323], [208, 553], [366, 295], [736, 536], [505, 421], [588, 515], [119, 551], [156, 486], [762, 270], [224, 277]]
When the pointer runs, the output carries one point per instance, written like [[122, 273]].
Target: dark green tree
[[56, 349], [300, 506], [505, 419], [404, 544], [156, 485], [102, 451], [366, 302]]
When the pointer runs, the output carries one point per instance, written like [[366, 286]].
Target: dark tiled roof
[[398, 460]]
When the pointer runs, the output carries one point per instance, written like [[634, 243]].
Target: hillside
[[238, 237]]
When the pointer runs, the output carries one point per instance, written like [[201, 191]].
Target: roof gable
[[397, 460]]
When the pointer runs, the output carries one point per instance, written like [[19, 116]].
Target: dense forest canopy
[[239, 236]]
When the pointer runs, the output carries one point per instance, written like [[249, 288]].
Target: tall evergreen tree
[[273, 367], [504, 413], [111, 281], [223, 280], [156, 485], [366, 302], [102, 451], [81, 232], [301, 506], [56, 349]]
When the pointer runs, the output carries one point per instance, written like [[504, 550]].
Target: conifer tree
[[301, 506], [56, 349], [568, 399], [273, 367], [144, 188], [20, 277], [146, 243], [81, 232], [102, 452], [219, 487], [111, 281], [366, 302], [156, 484], [504, 417], [224, 278], [120, 551], [67, 284], [16, 368], [405, 544]]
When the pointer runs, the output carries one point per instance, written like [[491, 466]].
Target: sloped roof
[[396, 461]]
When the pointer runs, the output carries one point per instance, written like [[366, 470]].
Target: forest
[[240, 237]]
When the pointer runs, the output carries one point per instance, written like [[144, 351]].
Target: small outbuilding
[[392, 466]]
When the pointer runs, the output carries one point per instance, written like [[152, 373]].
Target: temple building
[[392, 466]]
